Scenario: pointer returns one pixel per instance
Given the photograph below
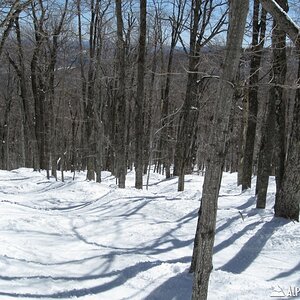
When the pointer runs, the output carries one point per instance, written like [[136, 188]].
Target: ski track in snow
[[91, 241]]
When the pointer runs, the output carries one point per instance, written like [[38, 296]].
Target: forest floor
[[79, 239]]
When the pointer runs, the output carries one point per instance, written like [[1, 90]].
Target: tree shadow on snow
[[230, 221], [250, 202], [165, 243], [235, 236], [121, 277], [163, 180], [178, 287], [249, 252], [294, 270], [168, 241]]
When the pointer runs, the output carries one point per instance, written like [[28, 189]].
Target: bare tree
[[287, 199], [7, 94], [275, 119], [120, 100], [139, 103], [38, 81], [201, 15], [13, 8], [177, 22], [284, 21], [204, 240], [258, 38], [53, 44], [30, 148]]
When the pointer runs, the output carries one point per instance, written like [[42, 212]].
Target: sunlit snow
[[79, 239]]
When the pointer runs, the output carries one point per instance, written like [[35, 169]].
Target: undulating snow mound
[[79, 239]]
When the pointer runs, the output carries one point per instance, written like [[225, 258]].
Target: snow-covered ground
[[92, 241]]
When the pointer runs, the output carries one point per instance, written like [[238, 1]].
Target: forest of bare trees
[[173, 87]]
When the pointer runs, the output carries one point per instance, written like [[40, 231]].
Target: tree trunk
[[200, 19], [280, 70], [207, 219], [165, 147], [275, 121], [90, 99], [39, 110], [265, 154], [287, 200], [242, 133], [184, 136], [139, 103], [120, 100], [283, 20], [258, 36], [4, 127]]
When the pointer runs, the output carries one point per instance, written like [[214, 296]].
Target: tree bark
[[258, 36], [207, 219], [280, 70], [287, 199], [139, 103], [38, 90], [284, 21], [7, 24], [200, 17], [184, 130], [90, 119], [4, 125], [120, 100], [165, 148], [275, 122], [265, 155]]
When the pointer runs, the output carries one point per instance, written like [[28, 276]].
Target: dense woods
[[179, 86]]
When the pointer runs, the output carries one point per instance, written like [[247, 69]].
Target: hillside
[[92, 241]]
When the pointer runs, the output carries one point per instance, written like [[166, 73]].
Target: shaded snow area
[[92, 241]]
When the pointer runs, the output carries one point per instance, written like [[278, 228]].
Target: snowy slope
[[92, 241]]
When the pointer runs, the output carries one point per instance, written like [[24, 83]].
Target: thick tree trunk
[[258, 36], [275, 120], [288, 198], [28, 122], [39, 111], [120, 101], [139, 103], [184, 136], [4, 133], [90, 129], [38, 84], [280, 70], [207, 223], [90, 99], [265, 154]]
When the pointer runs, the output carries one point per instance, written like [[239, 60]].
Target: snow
[[288, 18], [79, 239]]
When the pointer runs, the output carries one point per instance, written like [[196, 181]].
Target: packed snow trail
[[91, 241]]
